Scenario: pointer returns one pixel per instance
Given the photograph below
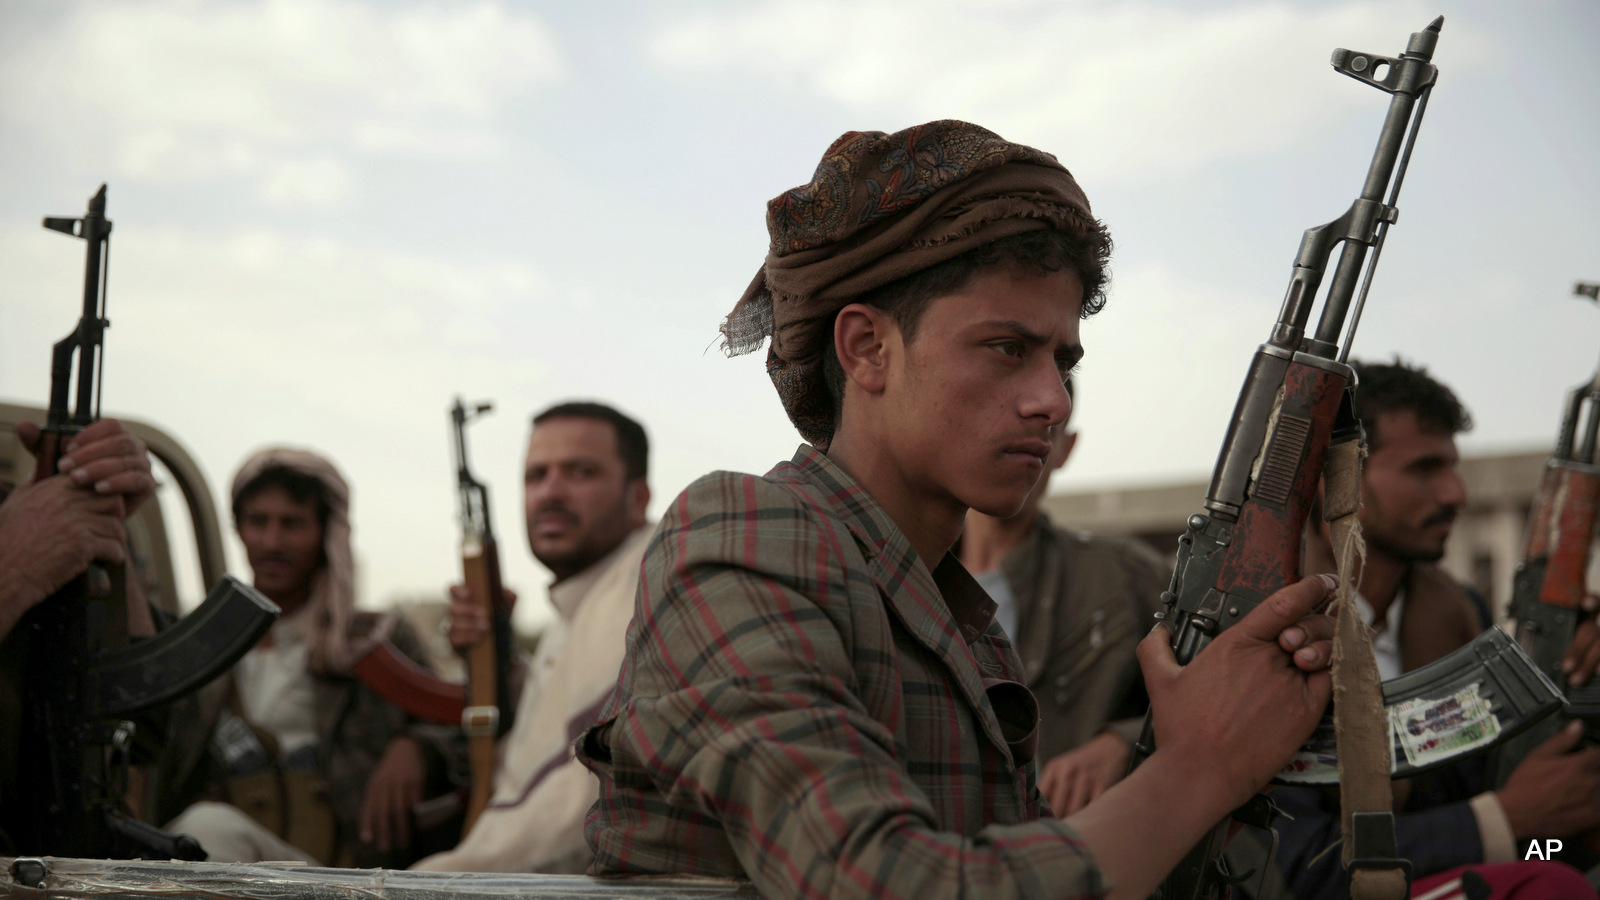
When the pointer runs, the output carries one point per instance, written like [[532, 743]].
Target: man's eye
[[1009, 348]]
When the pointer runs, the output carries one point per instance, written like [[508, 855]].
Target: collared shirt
[[1385, 635], [994, 584], [534, 822], [805, 704]]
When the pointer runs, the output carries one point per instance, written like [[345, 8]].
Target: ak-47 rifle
[[489, 711], [1551, 581], [483, 708], [1295, 405], [85, 678]]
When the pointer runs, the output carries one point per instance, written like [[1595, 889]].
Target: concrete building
[[1483, 551]]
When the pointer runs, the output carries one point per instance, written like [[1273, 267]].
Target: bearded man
[[585, 492], [1451, 821], [295, 758]]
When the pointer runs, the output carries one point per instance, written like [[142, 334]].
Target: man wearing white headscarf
[[312, 764]]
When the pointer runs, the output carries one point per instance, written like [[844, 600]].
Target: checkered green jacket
[[804, 704]]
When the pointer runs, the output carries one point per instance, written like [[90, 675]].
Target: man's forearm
[[1136, 830]]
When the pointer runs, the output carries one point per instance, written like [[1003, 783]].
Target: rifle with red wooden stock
[[483, 707], [1550, 583], [1296, 404], [86, 680]]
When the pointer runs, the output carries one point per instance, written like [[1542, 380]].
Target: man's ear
[[861, 335], [637, 497]]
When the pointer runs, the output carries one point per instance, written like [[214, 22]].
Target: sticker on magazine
[[1430, 730]]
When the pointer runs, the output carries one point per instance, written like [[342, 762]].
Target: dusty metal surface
[[93, 878]]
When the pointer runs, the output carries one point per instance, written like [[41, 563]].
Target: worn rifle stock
[[1550, 583], [84, 675], [1295, 402]]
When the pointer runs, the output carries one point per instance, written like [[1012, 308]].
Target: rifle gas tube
[[1295, 403], [1548, 588], [83, 674]]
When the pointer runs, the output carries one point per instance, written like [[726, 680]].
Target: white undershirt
[[994, 584], [275, 689], [1385, 634]]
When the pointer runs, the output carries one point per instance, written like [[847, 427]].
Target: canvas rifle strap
[[1361, 724]]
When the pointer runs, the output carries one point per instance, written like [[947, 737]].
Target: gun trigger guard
[[1257, 812]]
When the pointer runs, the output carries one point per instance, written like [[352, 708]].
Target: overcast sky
[[332, 216]]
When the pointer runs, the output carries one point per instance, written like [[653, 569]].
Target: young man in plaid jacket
[[815, 695]]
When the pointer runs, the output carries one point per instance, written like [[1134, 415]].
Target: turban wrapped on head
[[326, 625], [881, 207]]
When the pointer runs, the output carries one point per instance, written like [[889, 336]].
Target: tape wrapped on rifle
[[1468, 702]]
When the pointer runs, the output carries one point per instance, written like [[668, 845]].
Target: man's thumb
[[1288, 605], [1563, 741]]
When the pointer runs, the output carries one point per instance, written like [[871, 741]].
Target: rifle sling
[[1361, 724]]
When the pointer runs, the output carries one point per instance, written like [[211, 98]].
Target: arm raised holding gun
[[480, 629], [85, 678], [1549, 595], [1293, 420], [489, 710]]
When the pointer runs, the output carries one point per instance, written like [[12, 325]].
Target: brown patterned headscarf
[[879, 208]]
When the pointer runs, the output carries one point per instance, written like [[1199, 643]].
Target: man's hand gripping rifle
[[1293, 415], [85, 677], [1550, 584]]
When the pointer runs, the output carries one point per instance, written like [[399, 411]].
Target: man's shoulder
[[1438, 616], [722, 498], [1108, 550], [782, 524]]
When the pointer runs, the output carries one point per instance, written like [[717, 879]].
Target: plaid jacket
[[804, 704]]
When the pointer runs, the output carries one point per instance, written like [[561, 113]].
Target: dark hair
[[632, 444], [1038, 252], [1387, 387], [299, 486]]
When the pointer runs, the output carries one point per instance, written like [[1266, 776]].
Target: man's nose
[[552, 487], [1047, 395], [271, 536]]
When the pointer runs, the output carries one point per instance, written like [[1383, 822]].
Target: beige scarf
[[326, 625]]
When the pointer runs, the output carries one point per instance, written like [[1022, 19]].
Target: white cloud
[[1173, 387], [234, 340], [1120, 89], [284, 92], [315, 182]]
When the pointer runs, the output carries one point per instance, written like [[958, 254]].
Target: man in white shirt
[[311, 764], [585, 491]]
